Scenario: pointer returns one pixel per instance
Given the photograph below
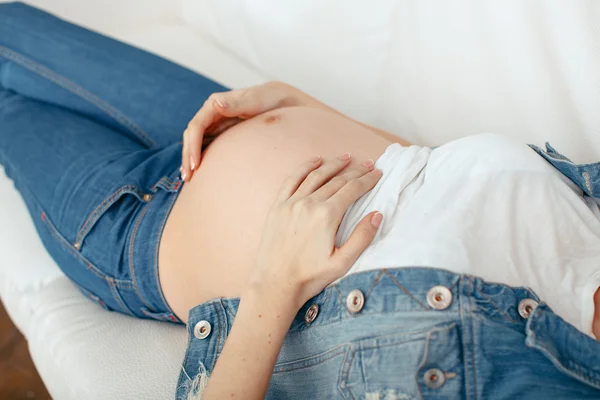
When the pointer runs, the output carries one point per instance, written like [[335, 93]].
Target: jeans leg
[[57, 159], [146, 97]]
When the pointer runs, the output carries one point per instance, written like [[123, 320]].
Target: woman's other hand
[[297, 257], [223, 110]]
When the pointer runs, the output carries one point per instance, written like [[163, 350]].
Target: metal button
[[77, 245], [526, 307], [311, 313], [355, 301], [439, 297], [434, 378], [147, 197], [202, 329]]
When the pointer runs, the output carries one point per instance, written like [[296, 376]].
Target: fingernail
[[315, 158], [377, 172], [181, 168], [192, 162], [369, 163], [183, 176], [221, 104], [344, 157], [376, 219]]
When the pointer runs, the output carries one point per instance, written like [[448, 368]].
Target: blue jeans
[[90, 133], [412, 333]]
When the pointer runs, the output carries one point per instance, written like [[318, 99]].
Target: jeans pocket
[[309, 377], [103, 236]]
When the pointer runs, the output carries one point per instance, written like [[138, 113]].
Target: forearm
[[309, 101], [245, 366]]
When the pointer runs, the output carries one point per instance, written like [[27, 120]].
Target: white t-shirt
[[489, 206]]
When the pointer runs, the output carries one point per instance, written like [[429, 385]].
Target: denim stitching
[[103, 206], [339, 296], [348, 372], [280, 368], [375, 282], [471, 322], [464, 344], [155, 264], [91, 267], [118, 298], [423, 362], [79, 91], [496, 306], [131, 256], [214, 361], [343, 384], [406, 291]]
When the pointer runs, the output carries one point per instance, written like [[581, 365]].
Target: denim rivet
[[202, 329], [439, 297], [147, 197], [434, 378], [77, 245], [526, 307], [355, 301], [311, 313]]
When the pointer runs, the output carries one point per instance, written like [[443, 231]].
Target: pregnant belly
[[212, 234]]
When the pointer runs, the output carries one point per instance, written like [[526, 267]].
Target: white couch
[[428, 71]]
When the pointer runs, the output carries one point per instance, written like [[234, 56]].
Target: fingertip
[[220, 104], [376, 219]]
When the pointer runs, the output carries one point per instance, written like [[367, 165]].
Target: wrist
[[279, 300]]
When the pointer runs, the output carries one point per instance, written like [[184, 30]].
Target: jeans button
[[439, 297], [202, 329], [434, 378], [526, 307], [355, 301], [311, 313], [147, 197]]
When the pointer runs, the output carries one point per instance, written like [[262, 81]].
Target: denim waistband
[[410, 290], [146, 236]]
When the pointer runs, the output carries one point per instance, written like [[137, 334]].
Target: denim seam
[[423, 362], [168, 209], [471, 322], [139, 218], [187, 353], [91, 267], [332, 353], [555, 361], [406, 291], [101, 208], [339, 296], [228, 309], [118, 298], [463, 340], [348, 371], [79, 91], [219, 332], [496, 306], [375, 282], [341, 383]]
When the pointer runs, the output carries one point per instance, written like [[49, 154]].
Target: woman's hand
[[296, 260], [297, 257], [223, 110]]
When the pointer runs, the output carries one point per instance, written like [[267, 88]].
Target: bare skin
[[248, 152], [212, 234]]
